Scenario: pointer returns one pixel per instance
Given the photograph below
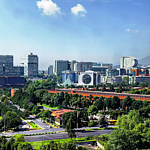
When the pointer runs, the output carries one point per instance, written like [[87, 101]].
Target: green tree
[[129, 121], [71, 145], [90, 97], [3, 141], [112, 88], [107, 103], [12, 120], [35, 109], [115, 102], [137, 104], [9, 143], [85, 102], [70, 126], [24, 146], [145, 103], [19, 138], [127, 102], [59, 79], [123, 140], [104, 87], [99, 104], [92, 110], [95, 98], [126, 79]]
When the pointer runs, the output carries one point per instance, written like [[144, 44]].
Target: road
[[64, 135], [45, 127]]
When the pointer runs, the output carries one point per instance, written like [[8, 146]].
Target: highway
[[64, 135]]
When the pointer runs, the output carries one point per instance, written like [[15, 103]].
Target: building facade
[[112, 72], [83, 66], [50, 70], [89, 78], [128, 62], [61, 65], [7, 68], [30, 64], [139, 79], [111, 80], [72, 75]]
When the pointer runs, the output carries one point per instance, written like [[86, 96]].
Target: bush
[[92, 123], [87, 138]]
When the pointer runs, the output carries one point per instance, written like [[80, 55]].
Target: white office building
[[89, 78], [128, 62]]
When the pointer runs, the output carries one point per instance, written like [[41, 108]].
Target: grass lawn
[[34, 126], [94, 129], [37, 145], [57, 107], [1, 117]]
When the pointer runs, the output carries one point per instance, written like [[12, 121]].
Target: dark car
[[103, 126]]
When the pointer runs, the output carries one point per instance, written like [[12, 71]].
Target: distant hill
[[116, 66], [144, 61]]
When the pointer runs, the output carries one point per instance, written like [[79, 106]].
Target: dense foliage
[[134, 133], [16, 142]]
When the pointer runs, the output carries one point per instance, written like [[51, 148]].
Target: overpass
[[99, 93]]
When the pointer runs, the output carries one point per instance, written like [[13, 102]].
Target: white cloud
[[78, 10], [128, 30], [49, 7]]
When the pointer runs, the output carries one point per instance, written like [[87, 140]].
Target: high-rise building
[[7, 68], [83, 66], [61, 65], [50, 70], [71, 65], [128, 62], [30, 63]]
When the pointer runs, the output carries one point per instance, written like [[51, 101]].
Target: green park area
[[1, 117], [56, 107], [33, 125]]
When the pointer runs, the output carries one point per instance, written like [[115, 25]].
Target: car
[[103, 126]]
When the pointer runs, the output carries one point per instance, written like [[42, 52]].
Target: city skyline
[[83, 30]]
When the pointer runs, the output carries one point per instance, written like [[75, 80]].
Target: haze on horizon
[[82, 30]]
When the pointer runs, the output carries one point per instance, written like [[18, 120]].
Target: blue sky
[[82, 30]]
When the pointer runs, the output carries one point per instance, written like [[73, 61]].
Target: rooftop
[[60, 112]]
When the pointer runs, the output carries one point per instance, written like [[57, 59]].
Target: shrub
[[87, 138], [92, 123]]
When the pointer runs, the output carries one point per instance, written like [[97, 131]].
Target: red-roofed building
[[57, 115]]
